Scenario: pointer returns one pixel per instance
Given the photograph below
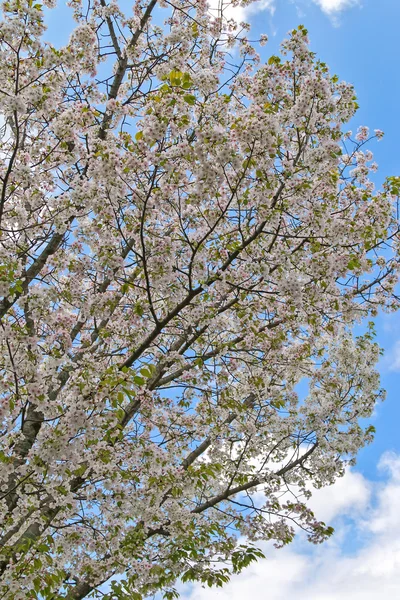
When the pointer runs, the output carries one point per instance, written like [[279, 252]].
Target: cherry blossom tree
[[186, 233]]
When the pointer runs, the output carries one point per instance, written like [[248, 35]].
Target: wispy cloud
[[244, 13], [392, 361], [333, 7]]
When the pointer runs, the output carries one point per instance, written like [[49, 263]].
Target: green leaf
[[4, 458], [120, 414], [175, 77], [274, 60], [354, 263], [190, 99], [138, 310], [80, 471]]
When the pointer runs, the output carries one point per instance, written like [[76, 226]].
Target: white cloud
[[367, 569], [332, 7], [386, 516], [349, 496]]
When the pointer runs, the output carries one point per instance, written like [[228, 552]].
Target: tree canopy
[[186, 235]]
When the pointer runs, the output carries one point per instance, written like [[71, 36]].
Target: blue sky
[[359, 40]]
